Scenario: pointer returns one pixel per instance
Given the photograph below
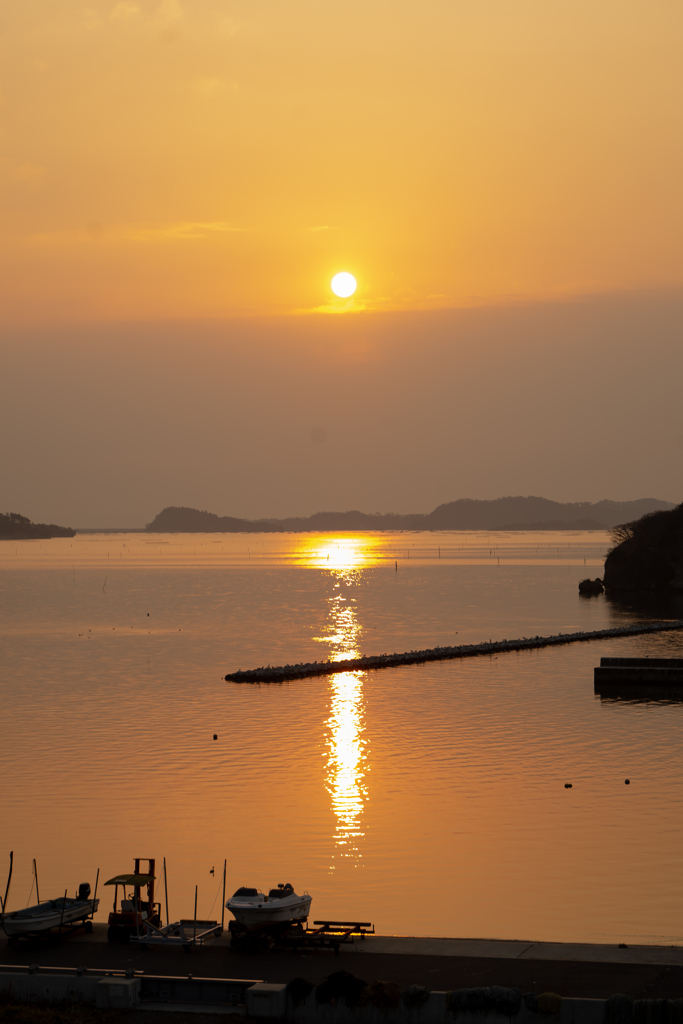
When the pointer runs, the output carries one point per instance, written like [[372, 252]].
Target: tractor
[[134, 912]]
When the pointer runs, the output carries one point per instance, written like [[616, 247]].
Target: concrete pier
[[576, 970], [662, 672]]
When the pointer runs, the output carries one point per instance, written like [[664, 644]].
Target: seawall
[[380, 1003]]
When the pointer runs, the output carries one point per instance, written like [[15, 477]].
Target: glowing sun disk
[[343, 285]]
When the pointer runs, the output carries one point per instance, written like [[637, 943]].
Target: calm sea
[[429, 799]]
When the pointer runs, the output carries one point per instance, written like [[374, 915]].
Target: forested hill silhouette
[[647, 554], [190, 520], [465, 514], [16, 527]]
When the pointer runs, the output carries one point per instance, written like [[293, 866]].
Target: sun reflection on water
[[340, 552], [346, 745], [346, 768]]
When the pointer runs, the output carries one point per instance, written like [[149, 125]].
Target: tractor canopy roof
[[130, 880]]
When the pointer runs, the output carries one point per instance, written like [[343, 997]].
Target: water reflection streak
[[346, 744]]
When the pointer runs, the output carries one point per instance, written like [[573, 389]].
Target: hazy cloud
[[183, 229], [137, 233], [419, 408], [169, 11], [124, 10]]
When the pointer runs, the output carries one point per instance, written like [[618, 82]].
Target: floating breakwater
[[282, 673]]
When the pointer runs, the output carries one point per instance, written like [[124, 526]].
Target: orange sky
[[182, 178], [219, 157]]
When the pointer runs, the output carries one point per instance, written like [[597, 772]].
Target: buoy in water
[[567, 785], [627, 782], [215, 736]]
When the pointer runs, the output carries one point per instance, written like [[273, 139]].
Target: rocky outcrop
[[648, 555], [591, 588]]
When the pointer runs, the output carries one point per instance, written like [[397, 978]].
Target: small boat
[[255, 911], [50, 914]]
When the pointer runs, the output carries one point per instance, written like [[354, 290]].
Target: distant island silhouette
[[16, 527], [517, 513]]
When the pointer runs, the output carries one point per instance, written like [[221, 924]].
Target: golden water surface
[[428, 799]]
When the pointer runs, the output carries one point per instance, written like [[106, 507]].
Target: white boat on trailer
[[65, 910], [255, 912], [48, 914]]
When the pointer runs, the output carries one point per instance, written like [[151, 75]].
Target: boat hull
[[256, 917], [45, 916]]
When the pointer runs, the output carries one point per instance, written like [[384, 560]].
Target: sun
[[343, 285]]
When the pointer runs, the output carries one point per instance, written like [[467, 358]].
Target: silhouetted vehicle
[[134, 911]]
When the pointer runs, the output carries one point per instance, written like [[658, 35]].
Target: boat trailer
[[323, 935], [187, 932]]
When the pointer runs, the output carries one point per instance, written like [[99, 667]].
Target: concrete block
[[51, 988], [117, 993], [582, 1011], [264, 1000], [436, 1008], [434, 1011]]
